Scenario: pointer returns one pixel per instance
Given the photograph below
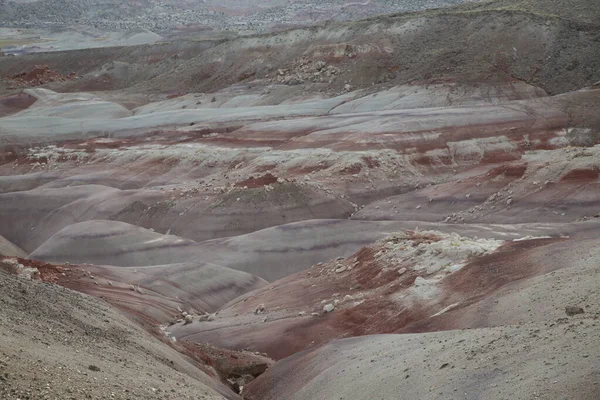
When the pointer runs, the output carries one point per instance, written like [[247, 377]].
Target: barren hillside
[[404, 206], [57, 343], [162, 16]]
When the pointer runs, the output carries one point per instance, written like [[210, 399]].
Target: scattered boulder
[[305, 70], [419, 281], [328, 308], [259, 309], [203, 317], [573, 310]]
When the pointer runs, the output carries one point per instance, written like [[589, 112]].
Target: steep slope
[[252, 176], [58, 343], [548, 43], [530, 349], [112, 243], [528, 190], [495, 363]]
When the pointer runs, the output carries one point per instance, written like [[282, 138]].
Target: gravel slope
[[59, 344], [532, 349], [499, 363]]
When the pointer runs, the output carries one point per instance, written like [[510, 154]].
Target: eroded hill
[[291, 196]]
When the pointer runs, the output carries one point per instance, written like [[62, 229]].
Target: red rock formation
[[39, 75]]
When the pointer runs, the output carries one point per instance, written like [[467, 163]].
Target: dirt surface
[[57, 343], [585, 11], [543, 42], [39, 75], [210, 16], [245, 216], [8, 249], [468, 364], [532, 341]]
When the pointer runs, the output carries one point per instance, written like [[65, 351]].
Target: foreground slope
[[57, 343], [496, 363], [530, 347]]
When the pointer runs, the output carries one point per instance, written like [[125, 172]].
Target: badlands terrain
[[400, 207], [164, 15], [54, 25]]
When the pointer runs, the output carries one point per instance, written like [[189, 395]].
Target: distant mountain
[[163, 15]]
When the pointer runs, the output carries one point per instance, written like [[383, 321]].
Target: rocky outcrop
[[39, 75]]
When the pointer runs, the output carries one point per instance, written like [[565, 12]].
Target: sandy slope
[[310, 189], [51, 336], [496, 363], [533, 350]]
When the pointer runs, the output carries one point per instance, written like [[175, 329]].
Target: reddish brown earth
[[232, 368], [224, 222], [253, 182], [375, 286], [39, 75], [377, 219], [524, 289]]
